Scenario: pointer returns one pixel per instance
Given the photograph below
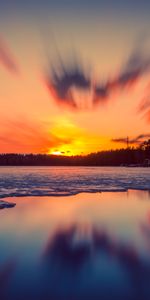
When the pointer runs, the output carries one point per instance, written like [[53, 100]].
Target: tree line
[[139, 156]]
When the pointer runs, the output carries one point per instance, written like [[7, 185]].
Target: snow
[[60, 181], [4, 204]]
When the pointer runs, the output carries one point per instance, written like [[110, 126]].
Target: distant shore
[[130, 157]]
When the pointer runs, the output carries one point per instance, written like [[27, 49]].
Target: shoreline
[[66, 195]]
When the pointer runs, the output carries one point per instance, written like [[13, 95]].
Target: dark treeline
[[130, 156]]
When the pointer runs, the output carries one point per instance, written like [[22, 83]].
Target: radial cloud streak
[[7, 59], [63, 77]]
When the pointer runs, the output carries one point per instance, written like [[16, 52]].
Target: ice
[[4, 204], [60, 181]]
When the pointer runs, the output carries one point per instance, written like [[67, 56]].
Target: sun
[[63, 151], [56, 152]]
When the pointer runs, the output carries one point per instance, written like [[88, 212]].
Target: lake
[[45, 181], [67, 240]]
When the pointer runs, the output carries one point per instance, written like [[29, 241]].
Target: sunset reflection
[[59, 240]]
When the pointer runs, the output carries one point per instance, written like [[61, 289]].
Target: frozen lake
[[45, 181]]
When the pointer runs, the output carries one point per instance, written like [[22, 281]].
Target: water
[[44, 181], [75, 246], [86, 246]]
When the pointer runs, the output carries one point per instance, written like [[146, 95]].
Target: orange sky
[[31, 119]]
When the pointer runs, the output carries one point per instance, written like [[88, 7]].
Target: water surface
[[85, 246]]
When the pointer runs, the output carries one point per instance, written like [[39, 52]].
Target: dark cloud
[[120, 140], [137, 65], [136, 140], [65, 77], [101, 93], [7, 59]]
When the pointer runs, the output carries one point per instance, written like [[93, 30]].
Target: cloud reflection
[[6, 272], [77, 249]]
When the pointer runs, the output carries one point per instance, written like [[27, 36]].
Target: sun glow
[[69, 138], [72, 140], [57, 152], [71, 149]]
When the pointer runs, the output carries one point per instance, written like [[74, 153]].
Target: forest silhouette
[[139, 156]]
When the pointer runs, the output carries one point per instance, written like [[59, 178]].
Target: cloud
[[7, 59], [144, 106], [63, 77], [136, 140], [147, 116], [26, 136], [101, 93], [137, 65]]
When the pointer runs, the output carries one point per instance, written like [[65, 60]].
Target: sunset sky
[[110, 42]]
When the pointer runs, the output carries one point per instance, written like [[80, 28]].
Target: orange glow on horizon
[[75, 141]]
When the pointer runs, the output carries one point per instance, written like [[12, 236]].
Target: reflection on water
[[88, 246]]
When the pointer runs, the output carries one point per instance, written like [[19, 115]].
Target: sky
[[74, 75]]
